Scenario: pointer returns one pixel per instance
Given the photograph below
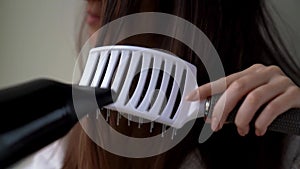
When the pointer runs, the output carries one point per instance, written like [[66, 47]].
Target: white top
[[50, 157]]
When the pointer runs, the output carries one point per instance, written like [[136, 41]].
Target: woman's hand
[[259, 85]]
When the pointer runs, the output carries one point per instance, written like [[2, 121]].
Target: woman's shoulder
[[49, 157]]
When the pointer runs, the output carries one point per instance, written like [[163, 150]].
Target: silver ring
[[207, 107]]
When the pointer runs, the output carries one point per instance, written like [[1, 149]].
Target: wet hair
[[243, 33]]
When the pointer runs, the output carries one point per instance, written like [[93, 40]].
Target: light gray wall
[[37, 37]]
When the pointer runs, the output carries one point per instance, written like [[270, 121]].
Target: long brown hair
[[243, 34]]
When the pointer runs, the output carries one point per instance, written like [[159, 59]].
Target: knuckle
[[273, 69], [257, 66], [238, 85], [253, 98], [284, 80]]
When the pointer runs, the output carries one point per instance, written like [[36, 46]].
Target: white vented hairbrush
[[163, 81]]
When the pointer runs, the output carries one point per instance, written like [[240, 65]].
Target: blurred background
[[37, 37]]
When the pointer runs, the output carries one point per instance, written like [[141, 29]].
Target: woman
[[259, 70], [244, 35]]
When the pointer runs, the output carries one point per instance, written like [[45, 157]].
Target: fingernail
[[214, 124], [192, 96], [260, 132], [257, 132], [241, 132]]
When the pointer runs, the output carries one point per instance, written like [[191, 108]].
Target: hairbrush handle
[[288, 122]]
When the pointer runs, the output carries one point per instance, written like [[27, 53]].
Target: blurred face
[[93, 15]]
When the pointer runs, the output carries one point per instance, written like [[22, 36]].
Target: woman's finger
[[255, 99], [205, 90], [280, 104], [220, 85], [235, 92]]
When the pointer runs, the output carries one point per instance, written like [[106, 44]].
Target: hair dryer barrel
[[40, 112]]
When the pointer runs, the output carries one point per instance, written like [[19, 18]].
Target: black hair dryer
[[38, 112]]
